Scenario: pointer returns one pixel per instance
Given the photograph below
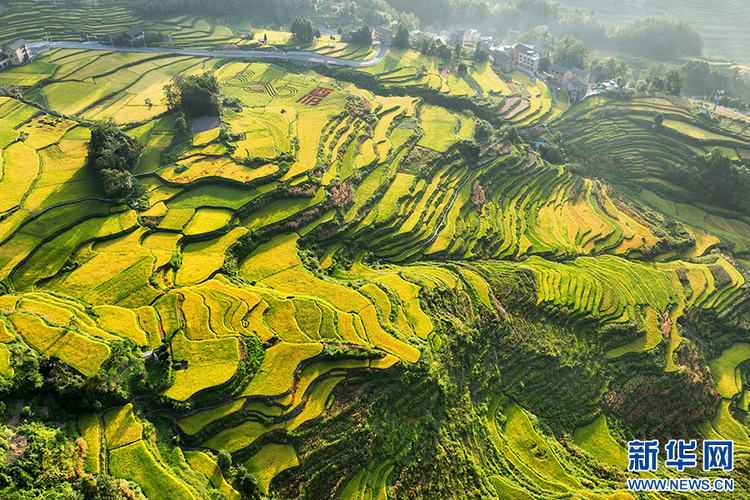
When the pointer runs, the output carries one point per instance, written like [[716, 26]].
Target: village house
[[382, 35], [502, 60], [557, 73], [570, 79], [15, 54], [486, 42], [579, 74], [526, 57], [464, 37], [417, 37], [133, 34]]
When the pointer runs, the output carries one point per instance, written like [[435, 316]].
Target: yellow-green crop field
[[334, 285]]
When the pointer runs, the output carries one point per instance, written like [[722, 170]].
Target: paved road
[[296, 57]]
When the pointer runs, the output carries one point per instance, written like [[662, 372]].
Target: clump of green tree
[[571, 52], [716, 177], [238, 476], [481, 55], [362, 36], [401, 40], [662, 79], [303, 30], [703, 79], [39, 377], [113, 155], [659, 39], [47, 468], [609, 69], [194, 95]]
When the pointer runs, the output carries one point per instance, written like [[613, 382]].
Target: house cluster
[[382, 35], [15, 54], [515, 57], [379, 35], [524, 58], [507, 58], [575, 80]]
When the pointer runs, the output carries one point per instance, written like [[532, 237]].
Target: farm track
[[302, 58]]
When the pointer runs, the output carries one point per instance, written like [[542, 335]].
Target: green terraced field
[[320, 290]]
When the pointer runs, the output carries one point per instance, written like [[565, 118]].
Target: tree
[[570, 52], [483, 130], [401, 40], [303, 30], [615, 68], [658, 38], [459, 50], [112, 149], [481, 55], [224, 461], [445, 52], [194, 95], [668, 80], [544, 63], [717, 178], [674, 80], [181, 126], [362, 36], [246, 482], [659, 119], [462, 68], [428, 47], [116, 183], [509, 132]]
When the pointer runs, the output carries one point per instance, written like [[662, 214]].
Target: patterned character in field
[[256, 88], [267, 88], [286, 91], [239, 79], [315, 96]]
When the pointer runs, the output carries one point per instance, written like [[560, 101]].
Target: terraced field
[[319, 286], [624, 129], [73, 22], [565, 215]]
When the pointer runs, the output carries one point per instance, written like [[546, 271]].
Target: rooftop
[[523, 48], [134, 32], [501, 54], [579, 71], [18, 44], [557, 69], [576, 82]]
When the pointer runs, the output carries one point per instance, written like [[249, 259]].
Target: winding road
[[295, 57]]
